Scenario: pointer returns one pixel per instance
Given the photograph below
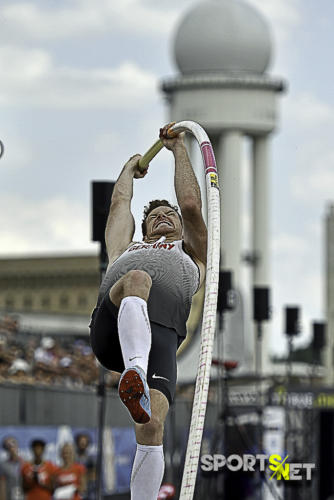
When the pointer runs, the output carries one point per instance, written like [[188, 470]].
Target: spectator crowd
[[28, 358], [39, 479], [62, 360]]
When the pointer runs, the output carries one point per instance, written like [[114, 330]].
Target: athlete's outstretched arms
[[188, 196], [120, 223]]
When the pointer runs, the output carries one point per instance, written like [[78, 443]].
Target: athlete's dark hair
[[155, 204]]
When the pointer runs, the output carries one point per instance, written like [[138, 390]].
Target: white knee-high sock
[[134, 332], [147, 472]]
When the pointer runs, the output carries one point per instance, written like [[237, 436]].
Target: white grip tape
[[209, 311]]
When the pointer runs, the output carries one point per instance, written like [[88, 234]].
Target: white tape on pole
[[209, 311]]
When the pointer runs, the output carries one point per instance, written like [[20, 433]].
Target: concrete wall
[[38, 405]]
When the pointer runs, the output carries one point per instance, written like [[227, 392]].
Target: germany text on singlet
[[175, 279]]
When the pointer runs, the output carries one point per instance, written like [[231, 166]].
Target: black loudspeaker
[[292, 325], [319, 333], [261, 307], [101, 198], [225, 300]]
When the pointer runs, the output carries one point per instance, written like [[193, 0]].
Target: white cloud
[[284, 16], [130, 17], [311, 122], [285, 244], [37, 226], [308, 112], [21, 64], [316, 186], [30, 78], [17, 152], [107, 142], [24, 20]]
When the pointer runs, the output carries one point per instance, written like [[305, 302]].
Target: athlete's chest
[[160, 255]]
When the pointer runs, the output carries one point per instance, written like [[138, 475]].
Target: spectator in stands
[[6, 357], [67, 374], [41, 377], [30, 346], [10, 471], [86, 456], [26, 361], [70, 474], [38, 476], [45, 353], [86, 365], [20, 372], [46, 367], [9, 325]]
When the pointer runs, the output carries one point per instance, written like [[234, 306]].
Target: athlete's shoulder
[[113, 258]]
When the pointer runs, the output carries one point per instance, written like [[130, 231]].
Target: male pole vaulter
[[144, 302]]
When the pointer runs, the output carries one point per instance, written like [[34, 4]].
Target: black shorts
[[161, 373]]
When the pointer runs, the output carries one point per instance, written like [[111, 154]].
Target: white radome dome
[[222, 36]]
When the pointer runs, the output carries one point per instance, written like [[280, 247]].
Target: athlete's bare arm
[[120, 223], [188, 196]]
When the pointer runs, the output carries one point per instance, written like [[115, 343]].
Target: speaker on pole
[[319, 335], [225, 300], [292, 323], [101, 192], [101, 198], [261, 303]]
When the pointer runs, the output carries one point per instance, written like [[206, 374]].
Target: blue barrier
[[119, 449]]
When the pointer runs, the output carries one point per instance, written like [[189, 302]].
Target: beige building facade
[[66, 285]]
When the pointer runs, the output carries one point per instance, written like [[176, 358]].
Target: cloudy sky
[[79, 95]]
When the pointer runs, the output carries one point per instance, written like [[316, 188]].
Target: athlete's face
[[163, 221]]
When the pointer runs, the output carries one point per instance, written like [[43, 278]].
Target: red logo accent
[[167, 246]]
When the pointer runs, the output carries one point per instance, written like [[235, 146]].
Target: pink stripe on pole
[[211, 169], [208, 157]]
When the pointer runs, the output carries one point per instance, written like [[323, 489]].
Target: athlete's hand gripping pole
[[210, 301], [155, 148], [150, 154]]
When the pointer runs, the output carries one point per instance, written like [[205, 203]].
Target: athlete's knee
[[137, 277], [137, 282]]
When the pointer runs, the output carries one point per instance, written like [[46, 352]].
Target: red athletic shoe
[[134, 393]]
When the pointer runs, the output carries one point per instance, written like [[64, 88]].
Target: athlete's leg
[[152, 433], [148, 466], [130, 294]]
